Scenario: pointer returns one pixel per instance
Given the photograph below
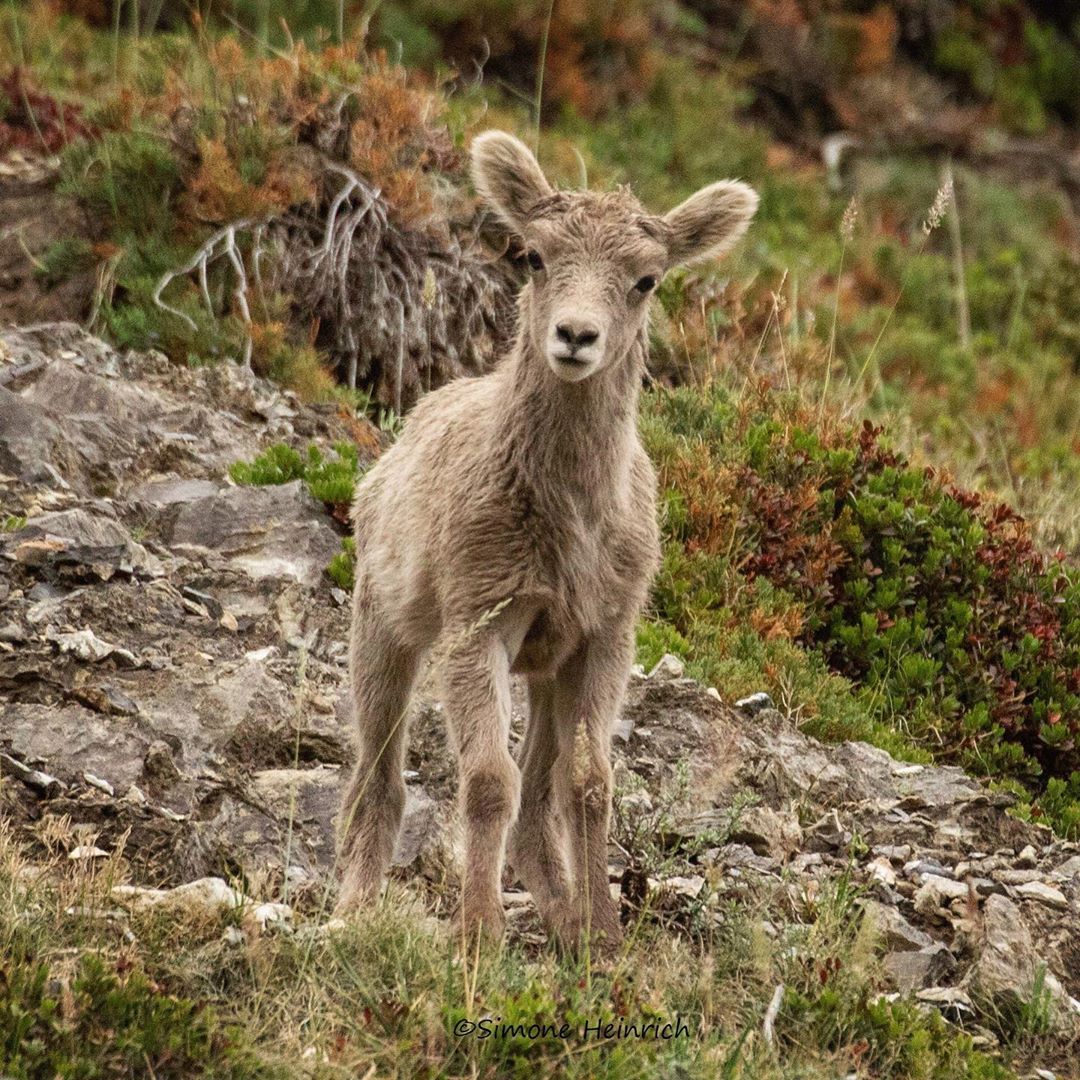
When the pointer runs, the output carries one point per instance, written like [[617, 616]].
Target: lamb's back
[[433, 464]]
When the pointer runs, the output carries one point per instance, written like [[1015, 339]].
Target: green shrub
[[65, 258], [785, 532], [128, 178], [342, 567], [331, 480], [280, 464], [105, 1025]]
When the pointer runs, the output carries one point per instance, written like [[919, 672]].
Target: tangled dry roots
[[396, 310], [399, 310]]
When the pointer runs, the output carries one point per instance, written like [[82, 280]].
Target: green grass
[[392, 994]]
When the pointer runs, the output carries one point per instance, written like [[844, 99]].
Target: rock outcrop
[[172, 674]]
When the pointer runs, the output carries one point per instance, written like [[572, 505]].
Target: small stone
[[669, 666], [228, 622], [907, 770], [1006, 963], [206, 603], [895, 931], [917, 868], [1016, 877], [87, 851], [953, 1002], [195, 608], [101, 785], [935, 891], [42, 781], [106, 700], [1067, 870], [986, 887], [895, 853], [270, 915], [880, 869], [1027, 858], [755, 703], [1046, 894], [768, 831], [685, 886], [712, 692], [86, 645]]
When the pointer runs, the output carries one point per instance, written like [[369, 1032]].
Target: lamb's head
[[595, 258]]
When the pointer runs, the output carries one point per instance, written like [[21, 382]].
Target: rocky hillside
[[172, 673]]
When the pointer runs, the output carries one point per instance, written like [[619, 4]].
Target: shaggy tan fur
[[514, 522]]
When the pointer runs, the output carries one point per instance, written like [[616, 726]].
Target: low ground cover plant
[[933, 601]]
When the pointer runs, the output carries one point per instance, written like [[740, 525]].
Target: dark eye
[[646, 284], [536, 264]]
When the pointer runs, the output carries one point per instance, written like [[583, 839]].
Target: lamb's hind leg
[[589, 694], [382, 671], [477, 700], [538, 847]]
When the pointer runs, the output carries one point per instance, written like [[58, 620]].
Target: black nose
[[577, 334]]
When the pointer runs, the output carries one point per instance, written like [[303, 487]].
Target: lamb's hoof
[[601, 935], [486, 927], [352, 897]]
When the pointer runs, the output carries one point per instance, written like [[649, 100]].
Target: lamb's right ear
[[507, 176]]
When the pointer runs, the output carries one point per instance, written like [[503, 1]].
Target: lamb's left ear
[[710, 222], [507, 176]]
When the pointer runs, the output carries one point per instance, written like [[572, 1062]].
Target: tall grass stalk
[[933, 220], [847, 232], [963, 311], [538, 103]]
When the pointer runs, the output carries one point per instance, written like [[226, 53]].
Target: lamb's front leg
[[477, 702], [589, 694]]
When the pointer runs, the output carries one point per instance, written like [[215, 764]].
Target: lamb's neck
[[577, 437]]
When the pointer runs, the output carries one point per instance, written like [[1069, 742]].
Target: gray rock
[[1069, 870], [1043, 893], [268, 532], [955, 1004], [769, 832], [895, 931], [908, 971], [1016, 877], [1006, 963], [75, 543], [937, 892], [669, 666]]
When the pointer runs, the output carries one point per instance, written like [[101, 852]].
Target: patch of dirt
[[33, 217]]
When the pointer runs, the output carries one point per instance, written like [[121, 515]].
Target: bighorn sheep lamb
[[514, 521]]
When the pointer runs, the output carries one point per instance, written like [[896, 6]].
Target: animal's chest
[[574, 562]]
